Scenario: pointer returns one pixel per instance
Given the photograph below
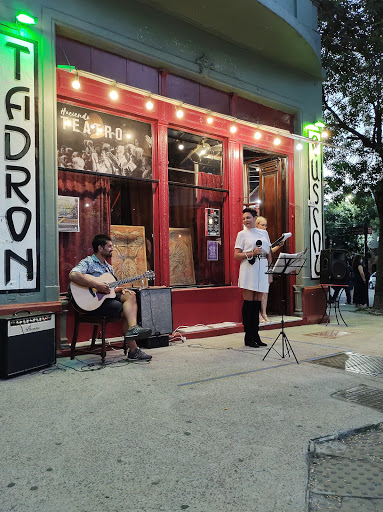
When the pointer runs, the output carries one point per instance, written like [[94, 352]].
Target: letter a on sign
[[19, 168]]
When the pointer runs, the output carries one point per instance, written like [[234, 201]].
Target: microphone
[[258, 244]]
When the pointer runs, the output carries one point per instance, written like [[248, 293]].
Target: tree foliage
[[343, 215], [352, 56]]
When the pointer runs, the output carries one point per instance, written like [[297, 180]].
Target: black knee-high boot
[[247, 314], [256, 307]]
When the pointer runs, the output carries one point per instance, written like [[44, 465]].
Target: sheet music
[[281, 239], [288, 263]]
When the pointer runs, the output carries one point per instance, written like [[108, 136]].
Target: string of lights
[[181, 107]]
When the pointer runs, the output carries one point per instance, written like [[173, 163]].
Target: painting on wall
[[129, 254], [181, 257]]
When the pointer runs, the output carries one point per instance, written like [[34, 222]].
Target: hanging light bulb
[[128, 136], [299, 146], [76, 82], [113, 93], [209, 118], [257, 135], [233, 128], [68, 123], [324, 134], [181, 146], [180, 112], [277, 141], [149, 104]]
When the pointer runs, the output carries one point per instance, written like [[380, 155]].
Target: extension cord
[[194, 328]]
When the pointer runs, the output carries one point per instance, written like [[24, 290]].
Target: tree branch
[[342, 124]]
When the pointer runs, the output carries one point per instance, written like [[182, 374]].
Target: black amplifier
[[27, 342]]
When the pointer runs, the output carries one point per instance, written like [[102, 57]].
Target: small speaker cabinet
[[333, 266], [27, 343], [155, 313]]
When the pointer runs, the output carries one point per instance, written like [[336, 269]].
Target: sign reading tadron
[[19, 208]]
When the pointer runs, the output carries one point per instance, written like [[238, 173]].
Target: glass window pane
[[120, 207], [196, 246], [131, 205], [191, 155]]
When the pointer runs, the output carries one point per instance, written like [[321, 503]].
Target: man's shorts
[[111, 308]]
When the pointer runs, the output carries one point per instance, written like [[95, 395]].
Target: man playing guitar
[[124, 304]]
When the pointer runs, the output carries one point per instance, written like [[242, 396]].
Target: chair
[[98, 322]]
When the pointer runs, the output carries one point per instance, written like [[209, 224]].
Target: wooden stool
[[97, 321]]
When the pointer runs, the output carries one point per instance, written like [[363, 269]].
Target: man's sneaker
[[138, 355], [137, 333]]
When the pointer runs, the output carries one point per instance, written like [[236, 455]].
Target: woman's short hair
[[250, 210]]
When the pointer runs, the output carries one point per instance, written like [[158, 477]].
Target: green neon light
[[22, 17], [68, 68], [311, 127]]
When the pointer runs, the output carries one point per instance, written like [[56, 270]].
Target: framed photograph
[[68, 213], [181, 257], [129, 255], [90, 140], [212, 222]]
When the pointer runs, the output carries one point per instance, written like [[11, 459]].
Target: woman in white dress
[[252, 249]]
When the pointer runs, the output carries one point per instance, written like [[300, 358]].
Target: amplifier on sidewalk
[[155, 313], [27, 342]]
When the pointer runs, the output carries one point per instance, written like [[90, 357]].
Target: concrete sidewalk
[[206, 426]]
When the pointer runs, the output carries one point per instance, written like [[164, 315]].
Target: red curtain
[[94, 218]]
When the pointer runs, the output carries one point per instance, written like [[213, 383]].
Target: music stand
[[285, 265]]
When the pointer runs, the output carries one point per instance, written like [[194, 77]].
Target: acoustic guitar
[[89, 299]]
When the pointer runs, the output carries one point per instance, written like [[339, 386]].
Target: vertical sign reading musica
[[315, 203], [19, 190]]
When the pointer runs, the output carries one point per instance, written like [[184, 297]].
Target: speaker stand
[[332, 303]]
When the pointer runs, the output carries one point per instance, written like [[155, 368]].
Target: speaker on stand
[[155, 313], [333, 266]]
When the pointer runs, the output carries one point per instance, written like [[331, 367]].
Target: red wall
[[193, 306]]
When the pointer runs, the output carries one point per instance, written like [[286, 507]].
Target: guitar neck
[[126, 280]]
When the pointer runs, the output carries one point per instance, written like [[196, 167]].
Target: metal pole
[[366, 255]]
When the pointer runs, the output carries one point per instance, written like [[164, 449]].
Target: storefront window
[[104, 186], [192, 157], [196, 199]]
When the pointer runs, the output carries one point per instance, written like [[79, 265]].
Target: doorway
[[265, 188]]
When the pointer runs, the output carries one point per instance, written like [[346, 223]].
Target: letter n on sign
[[19, 165]]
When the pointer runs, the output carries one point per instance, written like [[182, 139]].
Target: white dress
[[253, 277]]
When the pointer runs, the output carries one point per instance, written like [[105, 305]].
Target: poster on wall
[[129, 254], [212, 250], [91, 140], [68, 213], [181, 257], [19, 163], [212, 222]]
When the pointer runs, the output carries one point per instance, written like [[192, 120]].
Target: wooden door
[[273, 207]]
